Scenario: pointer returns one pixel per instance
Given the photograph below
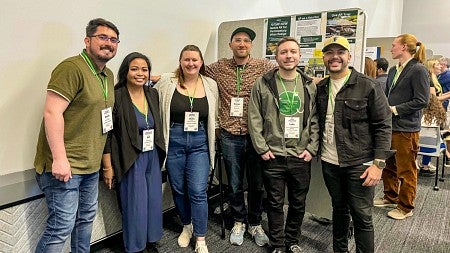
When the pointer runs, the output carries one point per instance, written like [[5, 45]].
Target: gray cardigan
[[166, 87]]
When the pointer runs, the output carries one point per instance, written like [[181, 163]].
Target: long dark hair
[[125, 66], [179, 71]]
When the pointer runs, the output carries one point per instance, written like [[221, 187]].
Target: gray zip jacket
[[264, 119]]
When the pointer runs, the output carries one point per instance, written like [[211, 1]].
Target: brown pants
[[400, 174]]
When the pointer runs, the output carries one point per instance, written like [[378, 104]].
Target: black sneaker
[[426, 173]]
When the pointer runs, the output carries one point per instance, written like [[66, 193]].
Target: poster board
[[310, 29]]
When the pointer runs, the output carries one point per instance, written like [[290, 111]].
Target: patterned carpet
[[427, 231]]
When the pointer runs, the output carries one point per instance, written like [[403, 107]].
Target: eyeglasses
[[105, 38], [239, 41]]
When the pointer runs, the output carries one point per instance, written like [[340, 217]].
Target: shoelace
[[296, 249], [237, 228], [201, 249], [259, 230]]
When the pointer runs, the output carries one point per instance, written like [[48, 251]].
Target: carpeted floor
[[427, 231]]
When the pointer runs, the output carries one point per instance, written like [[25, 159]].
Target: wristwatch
[[381, 164]]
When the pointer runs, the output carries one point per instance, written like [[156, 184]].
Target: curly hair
[[435, 112]]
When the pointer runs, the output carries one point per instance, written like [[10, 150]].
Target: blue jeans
[[239, 156], [188, 169], [71, 211], [349, 197]]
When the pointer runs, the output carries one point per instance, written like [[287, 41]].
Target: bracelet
[[106, 169]]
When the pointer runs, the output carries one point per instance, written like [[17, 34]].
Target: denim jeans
[[71, 211], [349, 197], [188, 169], [278, 173], [239, 156]]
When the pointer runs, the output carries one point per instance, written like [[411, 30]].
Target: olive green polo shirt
[[83, 138]]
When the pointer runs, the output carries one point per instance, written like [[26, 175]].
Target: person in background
[[235, 78], [350, 105], [426, 168], [434, 115], [134, 154], [370, 67], [77, 117], [444, 78], [282, 122], [189, 105], [408, 91], [382, 66]]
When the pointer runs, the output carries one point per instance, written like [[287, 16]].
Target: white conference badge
[[107, 121], [148, 137], [191, 121], [237, 107], [329, 132], [292, 127]]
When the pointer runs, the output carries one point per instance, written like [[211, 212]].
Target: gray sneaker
[[237, 233], [258, 234]]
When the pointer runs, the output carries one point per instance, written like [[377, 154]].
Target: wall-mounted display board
[[310, 29]]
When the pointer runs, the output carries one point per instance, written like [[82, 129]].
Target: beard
[[100, 56], [343, 67]]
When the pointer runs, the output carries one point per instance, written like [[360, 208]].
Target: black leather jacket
[[362, 119]]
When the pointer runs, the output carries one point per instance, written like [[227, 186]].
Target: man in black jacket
[[408, 91], [354, 118]]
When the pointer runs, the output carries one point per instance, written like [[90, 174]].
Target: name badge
[[148, 137], [191, 121], [237, 107], [107, 121], [292, 127], [329, 135]]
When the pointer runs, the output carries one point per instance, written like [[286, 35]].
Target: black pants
[[348, 196], [294, 173]]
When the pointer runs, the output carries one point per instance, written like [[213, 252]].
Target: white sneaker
[[431, 167], [259, 235], [237, 233], [185, 236], [200, 247]]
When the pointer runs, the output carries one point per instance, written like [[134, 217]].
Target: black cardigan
[[123, 141]]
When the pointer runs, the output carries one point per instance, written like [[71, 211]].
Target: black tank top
[[180, 104]]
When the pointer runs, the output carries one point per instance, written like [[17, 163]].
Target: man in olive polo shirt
[[77, 116]]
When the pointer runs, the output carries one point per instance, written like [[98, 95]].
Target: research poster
[[276, 29]]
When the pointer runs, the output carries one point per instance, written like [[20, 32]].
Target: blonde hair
[[412, 43], [434, 80]]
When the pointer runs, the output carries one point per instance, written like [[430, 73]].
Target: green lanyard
[[104, 87], [191, 98], [291, 102], [145, 113], [239, 71], [330, 96]]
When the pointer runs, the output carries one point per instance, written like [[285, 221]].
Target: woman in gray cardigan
[[189, 105]]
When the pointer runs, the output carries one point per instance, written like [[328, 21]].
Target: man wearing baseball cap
[[354, 118], [235, 78]]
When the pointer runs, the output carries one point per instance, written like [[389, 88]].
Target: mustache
[[107, 47]]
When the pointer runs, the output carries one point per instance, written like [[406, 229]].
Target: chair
[[218, 165], [430, 137]]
